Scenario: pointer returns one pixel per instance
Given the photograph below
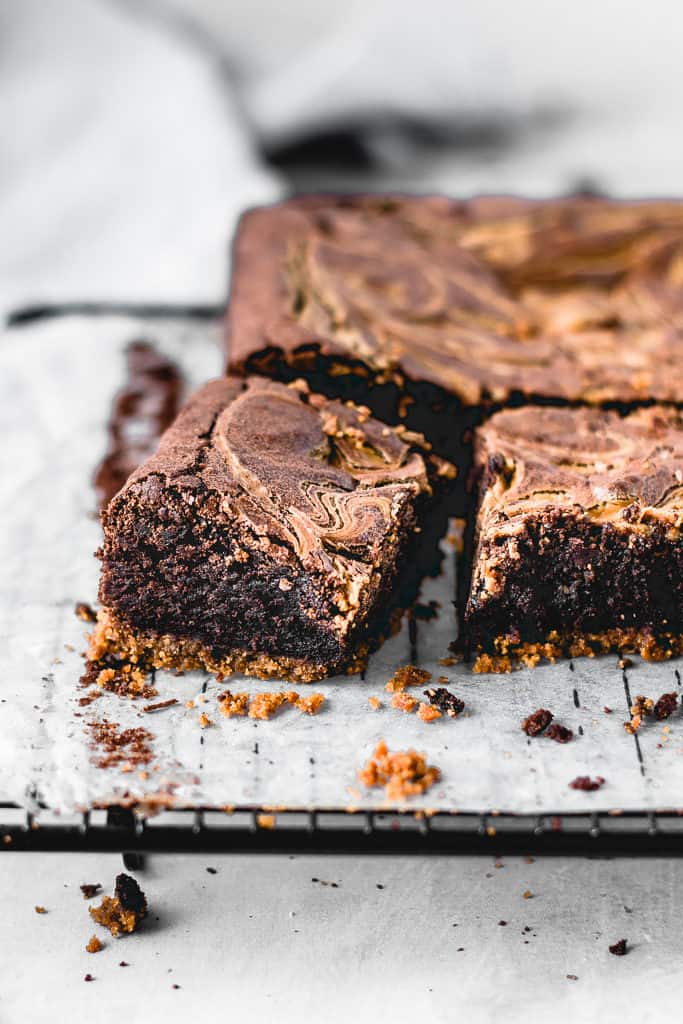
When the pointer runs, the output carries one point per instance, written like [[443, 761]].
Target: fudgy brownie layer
[[271, 526], [577, 538]]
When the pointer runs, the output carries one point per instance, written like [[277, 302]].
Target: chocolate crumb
[[572, 977], [125, 910], [123, 963], [88, 977], [446, 701], [160, 705], [537, 722], [212, 871], [90, 889], [585, 783], [619, 948], [502, 923], [559, 733], [608, 711], [665, 706]]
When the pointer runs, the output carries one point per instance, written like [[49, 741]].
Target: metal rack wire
[[251, 830]]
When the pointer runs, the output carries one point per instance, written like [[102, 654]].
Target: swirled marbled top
[[578, 299], [311, 480], [592, 463]]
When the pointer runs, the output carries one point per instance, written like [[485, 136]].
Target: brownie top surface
[[318, 478], [596, 464], [574, 299]]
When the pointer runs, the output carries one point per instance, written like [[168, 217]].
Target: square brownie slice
[[275, 533], [577, 542], [436, 312]]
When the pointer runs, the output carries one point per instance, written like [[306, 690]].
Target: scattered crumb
[[231, 704], [40, 910], [572, 977], [120, 746], [264, 705], [641, 708], [537, 722], [204, 721], [625, 662], [408, 675], [559, 733], [88, 977], [265, 821], [665, 706], [401, 773], [160, 705], [310, 705], [94, 946], [114, 675], [123, 963], [190, 703], [502, 923], [123, 911], [444, 700], [374, 703], [427, 713], [608, 711], [212, 871], [585, 783], [403, 701], [85, 611], [527, 894], [90, 889], [619, 948]]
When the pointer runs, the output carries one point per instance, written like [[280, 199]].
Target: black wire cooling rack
[[257, 831]]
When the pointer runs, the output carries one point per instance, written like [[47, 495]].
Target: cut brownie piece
[[275, 533], [435, 312], [578, 535]]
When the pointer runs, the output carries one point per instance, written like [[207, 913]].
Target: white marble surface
[[259, 941]]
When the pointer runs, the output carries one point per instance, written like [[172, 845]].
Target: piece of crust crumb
[[403, 701], [402, 773], [310, 705], [408, 675], [230, 704], [264, 705], [427, 712], [204, 721], [94, 946], [374, 703]]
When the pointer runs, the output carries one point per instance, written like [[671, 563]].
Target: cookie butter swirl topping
[[580, 298], [330, 477], [622, 470]]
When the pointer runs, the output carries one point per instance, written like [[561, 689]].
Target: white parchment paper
[[57, 378]]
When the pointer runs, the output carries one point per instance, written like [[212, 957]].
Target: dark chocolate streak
[[141, 411]]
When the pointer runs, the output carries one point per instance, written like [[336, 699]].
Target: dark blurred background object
[[134, 131]]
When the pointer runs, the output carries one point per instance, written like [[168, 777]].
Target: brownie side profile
[[577, 544], [435, 312], [273, 533]]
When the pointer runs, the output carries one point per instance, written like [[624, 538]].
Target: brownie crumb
[[113, 674], [401, 773], [502, 923], [85, 611], [427, 713], [40, 910], [88, 977], [527, 894], [665, 706], [160, 705], [403, 701], [123, 963], [374, 703], [310, 705], [204, 721], [90, 889], [230, 704], [559, 733], [94, 946], [619, 948], [585, 783], [537, 722], [572, 977], [120, 747], [608, 711], [212, 871], [123, 911], [408, 675], [446, 701]]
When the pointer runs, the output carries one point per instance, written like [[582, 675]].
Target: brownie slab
[[275, 532], [435, 312], [577, 545]]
